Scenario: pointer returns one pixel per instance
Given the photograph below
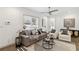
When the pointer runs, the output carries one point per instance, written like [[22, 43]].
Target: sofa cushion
[[22, 33], [28, 32], [34, 37]]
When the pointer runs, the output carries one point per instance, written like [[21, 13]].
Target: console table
[[74, 33]]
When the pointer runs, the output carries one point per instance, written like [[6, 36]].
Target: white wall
[[15, 17], [50, 22], [67, 12]]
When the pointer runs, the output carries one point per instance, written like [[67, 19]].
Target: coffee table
[[48, 43]]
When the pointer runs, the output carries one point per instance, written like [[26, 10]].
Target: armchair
[[65, 37]]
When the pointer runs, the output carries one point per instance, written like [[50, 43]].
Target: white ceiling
[[43, 9], [61, 9], [40, 9]]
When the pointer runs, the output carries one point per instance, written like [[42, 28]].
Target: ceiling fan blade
[[54, 10], [44, 12]]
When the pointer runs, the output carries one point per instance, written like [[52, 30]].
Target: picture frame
[[69, 22]]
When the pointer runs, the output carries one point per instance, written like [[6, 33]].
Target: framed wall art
[[69, 22]]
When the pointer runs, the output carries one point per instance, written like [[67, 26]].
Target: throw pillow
[[65, 32], [53, 31], [39, 32]]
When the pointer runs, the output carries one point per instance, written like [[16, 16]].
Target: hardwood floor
[[9, 48], [13, 46], [76, 40]]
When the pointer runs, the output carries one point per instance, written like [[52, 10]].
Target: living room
[[15, 23]]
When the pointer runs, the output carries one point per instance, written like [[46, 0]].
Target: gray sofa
[[28, 40]]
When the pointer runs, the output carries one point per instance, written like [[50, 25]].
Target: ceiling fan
[[50, 11]]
